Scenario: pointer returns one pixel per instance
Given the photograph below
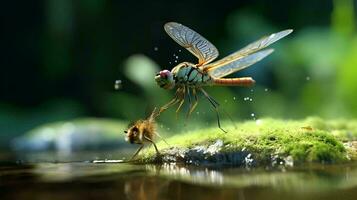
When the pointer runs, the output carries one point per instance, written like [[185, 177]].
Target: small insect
[[189, 78], [143, 131]]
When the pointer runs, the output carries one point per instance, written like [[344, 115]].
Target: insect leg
[[215, 105], [153, 115], [225, 112], [230, 118], [148, 139], [166, 106], [189, 98], [211, 98], [136, 153], [195, 103], [172, 102], [182, 100], [161, 138]]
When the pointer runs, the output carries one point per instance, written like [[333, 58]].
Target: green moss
[[310, 140]]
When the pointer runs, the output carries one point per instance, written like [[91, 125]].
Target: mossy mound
[[265, 142]]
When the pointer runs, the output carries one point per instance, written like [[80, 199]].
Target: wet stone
[[209, 155]]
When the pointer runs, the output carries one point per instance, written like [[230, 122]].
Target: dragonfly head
[[165, 79]]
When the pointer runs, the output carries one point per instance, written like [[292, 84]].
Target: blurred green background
[[60, 59]]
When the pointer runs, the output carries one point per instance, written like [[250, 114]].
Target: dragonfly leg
[[166, 106], [225, 112], [192, 108], [189, 98], [182, 100], [148, 139], [174, 101], [215, 105], [136, 153]]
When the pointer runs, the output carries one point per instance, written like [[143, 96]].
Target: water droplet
[[266, 89], [307, 78], [170, 63], [156, 48], [250, 99], [252, 90], [253, 116], [117, 84], [234, 98], [197, 113], [258, 121], [225, 101], [179, 50], [175, 61], [176, 57]]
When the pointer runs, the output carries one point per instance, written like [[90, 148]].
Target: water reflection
[[191, 174], [127, 181], [145, 188]]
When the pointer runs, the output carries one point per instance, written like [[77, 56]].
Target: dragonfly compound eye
[[165, 73], [165, 79]]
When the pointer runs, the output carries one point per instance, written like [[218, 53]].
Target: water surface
[[87, 180]]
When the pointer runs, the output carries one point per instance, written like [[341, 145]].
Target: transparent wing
[[249, 49], [238, 64], [192, 41]]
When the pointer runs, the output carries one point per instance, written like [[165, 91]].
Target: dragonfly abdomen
[[244, 81], [191, 76]]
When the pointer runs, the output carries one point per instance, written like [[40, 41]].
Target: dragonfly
[[189, 78]]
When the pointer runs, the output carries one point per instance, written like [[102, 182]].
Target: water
[[118, 84], [247, 99], [84, 180]]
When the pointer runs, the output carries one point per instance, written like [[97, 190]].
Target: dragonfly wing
[[251, 48], [192, 41], [264, 42], [238, 64]]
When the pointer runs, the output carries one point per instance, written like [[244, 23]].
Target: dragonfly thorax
[[189, 75], [165, 79]]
